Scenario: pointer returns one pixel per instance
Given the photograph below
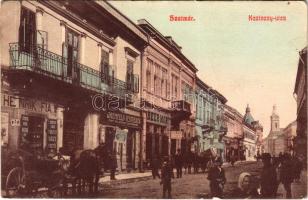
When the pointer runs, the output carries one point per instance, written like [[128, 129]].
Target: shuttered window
[[27, 30]]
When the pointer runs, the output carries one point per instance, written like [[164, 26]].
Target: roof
[[123, 19], [168, 42], [302, 67], [248, 119]]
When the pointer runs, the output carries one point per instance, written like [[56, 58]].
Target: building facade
[[290, 134], [209, 118], [252, 138], [275, 141], [300, 91], [233, 140], [70, 76], [168, 84]]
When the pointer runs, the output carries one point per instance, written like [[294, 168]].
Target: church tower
[[274, 120]]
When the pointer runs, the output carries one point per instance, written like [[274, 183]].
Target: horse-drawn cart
[[26, 175]]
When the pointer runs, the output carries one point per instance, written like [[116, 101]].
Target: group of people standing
[[284, 169], [191, 162]]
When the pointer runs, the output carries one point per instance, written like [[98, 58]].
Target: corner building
[[56, 57]]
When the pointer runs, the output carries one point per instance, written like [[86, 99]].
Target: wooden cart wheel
[[15, 182]]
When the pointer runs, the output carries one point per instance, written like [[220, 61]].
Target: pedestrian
[[113, 165], [246, 188], [189, 160], [155, 166], [232, 160], [195, 162], [286, 175], [269, 183], [166, 174], [217, 178], [298, 166], [185, 162], [178, 159]]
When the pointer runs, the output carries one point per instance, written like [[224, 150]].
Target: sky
[[249, 62]]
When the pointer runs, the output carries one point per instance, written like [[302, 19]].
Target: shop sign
[[176, 135], [121, 135], [27, 104], [157, 118], [120, 119], [52, 136], [15, 122], [4, 128]]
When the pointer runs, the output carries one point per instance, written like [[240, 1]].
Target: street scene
[[153, 99]]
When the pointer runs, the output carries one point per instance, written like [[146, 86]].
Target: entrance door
[[36, 130], [148, 147], [173, 146], [73, 129]]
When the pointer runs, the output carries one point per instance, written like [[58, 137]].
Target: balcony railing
[[42, 61], [180, 105]]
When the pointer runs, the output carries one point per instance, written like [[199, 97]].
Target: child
[[166, 175]]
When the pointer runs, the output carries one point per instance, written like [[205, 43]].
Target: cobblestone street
[[192, 185]]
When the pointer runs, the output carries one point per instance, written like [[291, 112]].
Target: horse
[[85, 168]]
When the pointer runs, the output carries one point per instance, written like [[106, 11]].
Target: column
[[160, 141], [99, 53], [153, 141], [91, 131], [180, 95], [59, 112], [63, 24], [83, 37], [142, 141], [39, 18]]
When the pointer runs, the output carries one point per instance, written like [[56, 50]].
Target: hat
[[218, 160], [266, 156]]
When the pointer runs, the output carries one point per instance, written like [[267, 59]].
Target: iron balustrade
[[180, 105], [39, 60]]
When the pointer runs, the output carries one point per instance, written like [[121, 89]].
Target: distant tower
[[248, 119], [274, 120]]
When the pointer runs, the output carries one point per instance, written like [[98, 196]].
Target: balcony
[[180, 106], [180, 110], [40, 61]]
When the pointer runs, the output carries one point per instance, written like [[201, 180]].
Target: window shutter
[[136, 83], [21, 35], [64, 59]]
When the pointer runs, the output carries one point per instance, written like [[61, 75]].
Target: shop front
[[31, 124], [120, 131], [157, 134]]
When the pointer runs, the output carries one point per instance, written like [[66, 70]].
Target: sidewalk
[[126, 178], [138, 176]]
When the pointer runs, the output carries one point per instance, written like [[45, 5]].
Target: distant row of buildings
[[279, 140], [79, 73], [292, 138]]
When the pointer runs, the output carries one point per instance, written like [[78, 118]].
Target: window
[[70, 51], [148, 74], [27, 30], [106, 73], [276, 125], [130, 74]]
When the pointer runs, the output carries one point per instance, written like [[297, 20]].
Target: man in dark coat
[[297, 167], [217, 178], [286, 174], [178, 159], [166, 175], [155, 166], [268, 178], [113, 165]]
